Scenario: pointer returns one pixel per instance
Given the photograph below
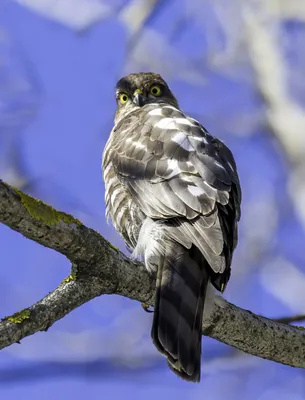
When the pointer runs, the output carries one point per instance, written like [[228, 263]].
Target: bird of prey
[[172, 191]]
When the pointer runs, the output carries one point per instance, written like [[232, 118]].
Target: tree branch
[[99, 268]]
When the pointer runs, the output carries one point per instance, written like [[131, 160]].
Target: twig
[[290, 320]]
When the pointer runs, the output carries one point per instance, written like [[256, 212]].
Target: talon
[[146, 307]]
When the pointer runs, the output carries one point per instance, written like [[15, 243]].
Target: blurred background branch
[[285, 118], [236, 66]]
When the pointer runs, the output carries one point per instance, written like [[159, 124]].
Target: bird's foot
[[146, 307]]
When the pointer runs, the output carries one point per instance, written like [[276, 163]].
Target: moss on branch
[[43, 212]]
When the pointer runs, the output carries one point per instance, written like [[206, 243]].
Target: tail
[[182, 280]]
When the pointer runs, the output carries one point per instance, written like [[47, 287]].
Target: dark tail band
[[183, 276]]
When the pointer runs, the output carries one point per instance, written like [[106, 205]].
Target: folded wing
[[178, 172]]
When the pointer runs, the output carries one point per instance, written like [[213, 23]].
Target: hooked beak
[[140, 100]]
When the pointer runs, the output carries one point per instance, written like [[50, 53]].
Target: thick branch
[[101, 269]]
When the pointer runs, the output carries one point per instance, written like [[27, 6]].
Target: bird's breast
[[126, 216]]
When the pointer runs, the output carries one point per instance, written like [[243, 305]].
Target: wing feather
[[177, 171]]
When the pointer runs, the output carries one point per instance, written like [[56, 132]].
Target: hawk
[[172, 192]]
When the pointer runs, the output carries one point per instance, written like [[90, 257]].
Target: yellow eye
[[123, 98], [155, 90]]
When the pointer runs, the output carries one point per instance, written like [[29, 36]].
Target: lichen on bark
[[43, 212], [19, 316]]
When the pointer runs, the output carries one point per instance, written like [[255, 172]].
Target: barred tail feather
[[182, 280]]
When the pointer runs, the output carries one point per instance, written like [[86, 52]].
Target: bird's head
[[137, 90]]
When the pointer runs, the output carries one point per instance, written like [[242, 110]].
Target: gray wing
[[176, 171]]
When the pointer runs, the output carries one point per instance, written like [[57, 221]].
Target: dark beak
[[140, 100]]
